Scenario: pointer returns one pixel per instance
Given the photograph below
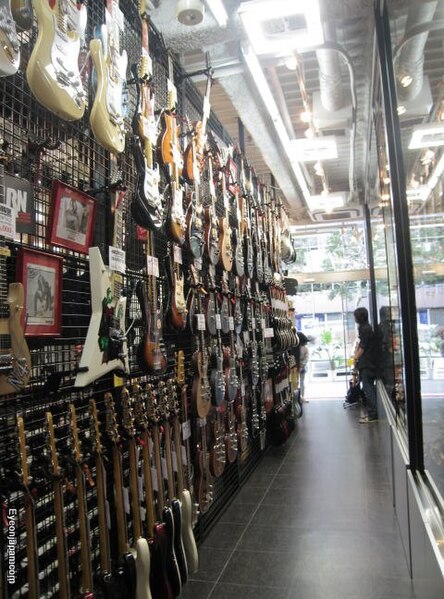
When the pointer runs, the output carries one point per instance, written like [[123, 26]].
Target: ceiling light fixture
[[291, 63], [190, 12], [401, 110], [218, 10], [309, 133], [386, 180], [315, 149], [269, 101], [306, 116], [326, 201], [255, 13], [406, 80], [427, 158]]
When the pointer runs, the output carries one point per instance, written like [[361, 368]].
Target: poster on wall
[[19, 195]]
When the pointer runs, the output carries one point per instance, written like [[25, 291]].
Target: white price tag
[[117, 260], [253, 322], [202, 422], [243, 388], [152, 266], [140, 485], [246, 337], [231, 323], [200, 322], [218, 322], [154, 479], [155, 266], [264, 325], [126, 501], [184, 455], [268, 333], [177, 254], [174, 459], [142, 513], [198, 263], [164, 469], [186, 430], [7, 221]]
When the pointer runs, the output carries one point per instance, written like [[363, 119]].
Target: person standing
[[302, 364], [365, 362]]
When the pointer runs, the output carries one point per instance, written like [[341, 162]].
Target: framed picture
[[71, 222], [41, 276]]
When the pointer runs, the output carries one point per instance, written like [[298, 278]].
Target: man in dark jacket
[[365, 362]]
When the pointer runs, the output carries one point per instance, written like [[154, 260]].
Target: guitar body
[[194, 228], [176, 216], [105, 347], [15, 368], [218, 383], [189, 542], [166, 145], [9, 42], [53, 72], [239, 265], [143, 567], [150, 353], [225, 315], [178, 308], [22, 13], [230, 437], [225, 248], [126, 576], [211, 235], [232, 380], [217, 451], [211, 313], [249, 257], [204, 491], [106, 116], [160, 584], [201, 404], [171, 561], [179, 549]]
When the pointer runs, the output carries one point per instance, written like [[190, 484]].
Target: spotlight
[[291, 63], [401, 110], [190, 12], [406, 80], [306, 116]]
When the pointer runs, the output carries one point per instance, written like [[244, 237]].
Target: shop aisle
[[314, 521]]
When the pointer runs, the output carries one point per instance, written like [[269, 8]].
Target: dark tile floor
[[314, 520]]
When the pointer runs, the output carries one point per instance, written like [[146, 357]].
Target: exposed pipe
[[410, 66], [332, 91]]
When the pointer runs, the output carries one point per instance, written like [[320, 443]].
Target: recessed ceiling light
[[315, 149], [300, 25], [306, 116], [326, 201], [291, 63]]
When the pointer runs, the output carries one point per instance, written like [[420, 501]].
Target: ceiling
[[339, 109]]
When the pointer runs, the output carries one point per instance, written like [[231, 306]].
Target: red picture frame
[[72, 218], [41, 276]]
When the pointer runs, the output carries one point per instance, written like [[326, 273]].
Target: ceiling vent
[[351, 213]]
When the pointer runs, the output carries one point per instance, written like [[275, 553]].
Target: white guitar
[[53, 72], [106, 119], [105, 347], [9, 43]]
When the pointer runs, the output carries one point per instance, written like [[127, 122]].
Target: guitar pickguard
[[105, 347]]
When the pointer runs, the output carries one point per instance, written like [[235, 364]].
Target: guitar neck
[[30, 523], [158, 464], [169, 460], [134, 488], [149, 493], [178, 448], [122, 537]]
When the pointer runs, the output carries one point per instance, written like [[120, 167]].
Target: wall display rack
[[143, 397]]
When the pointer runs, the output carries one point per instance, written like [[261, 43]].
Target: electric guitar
[[22, 13], [212, 314], [242, 429], [217, 375], [104, 577], [211, 222], [170, 155], [143, 560], [165, 511], [84, 530], [194, 231], [107, 113], [145, 411], [195, 149], [15, 359], [105, 347], [147, 207], [185, 496], [126, 570], [224, 301], [57, 487], [9, 42], [177, 305], [238, 234], [217, 450], [32, 567], [230, 434], [204, 480], [232, 380], [53, 72], [151, 354], [225, 246]]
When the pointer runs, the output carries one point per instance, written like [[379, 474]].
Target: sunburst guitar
[[53, 72]]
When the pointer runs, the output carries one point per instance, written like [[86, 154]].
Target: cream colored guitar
[[53, 71], [106, 116], [9, 43]]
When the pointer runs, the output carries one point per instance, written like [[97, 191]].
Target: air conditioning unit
[[340, 214]]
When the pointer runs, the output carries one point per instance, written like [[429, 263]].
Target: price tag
[[152, 266], [243, 388], [246, 337], [174, 459], [155, 266], [206, 107], [126, 501], [117, 260], [177, 254], [198, 263], [253, 322], [264, 325], [186, 430], [7, 221], [268, 333], [140, 485], [164, 469], [184, 455], [231, 323], [154, 479], [200, 322], [142, 513], [202, 422], [218, 321]]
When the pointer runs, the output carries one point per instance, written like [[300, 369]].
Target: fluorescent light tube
[[218, 10]]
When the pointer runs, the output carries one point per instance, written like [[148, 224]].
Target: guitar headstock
[[164, 408], [151, 404], [75, 443], [23, 451], [180, 368], [111, 421], [127, 414], [94, 426], [140, 411], [51, 445], [171, 397]]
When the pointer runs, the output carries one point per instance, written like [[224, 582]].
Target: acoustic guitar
[[53, 69]]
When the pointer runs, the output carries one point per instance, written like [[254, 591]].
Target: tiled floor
[[314, 520]]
